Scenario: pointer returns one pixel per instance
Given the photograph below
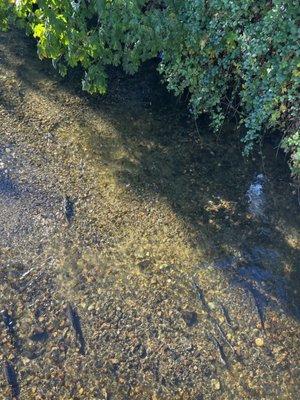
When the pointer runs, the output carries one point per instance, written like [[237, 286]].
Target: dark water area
[[142, 257], [7, 186]]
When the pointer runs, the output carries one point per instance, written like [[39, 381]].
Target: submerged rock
[[259, 342], [190, 317], [216, 385]]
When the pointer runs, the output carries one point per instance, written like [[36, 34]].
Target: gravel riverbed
[[131, 265]]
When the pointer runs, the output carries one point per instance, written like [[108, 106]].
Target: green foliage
[[233, 57], [6, 8], [292, 143], [244, 51]]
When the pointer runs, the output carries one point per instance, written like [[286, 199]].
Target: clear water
[[122, 229]]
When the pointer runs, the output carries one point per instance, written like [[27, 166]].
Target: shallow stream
[[141, 258]]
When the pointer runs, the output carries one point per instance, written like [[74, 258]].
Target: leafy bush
[[233, 57], [292, 144], [6, 8]]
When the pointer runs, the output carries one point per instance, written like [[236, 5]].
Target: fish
[[258, 301], [221, 351], [8, 322], [260, 312], [201, 297], [11, 379], [224, 337], [68, 206], [74, 320], [227, 317]]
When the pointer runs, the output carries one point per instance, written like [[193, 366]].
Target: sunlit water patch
[[256, 197]]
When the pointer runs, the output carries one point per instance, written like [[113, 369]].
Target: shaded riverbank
[[181, 293]]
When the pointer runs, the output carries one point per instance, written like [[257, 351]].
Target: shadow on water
[[204, 179], [8, 187]]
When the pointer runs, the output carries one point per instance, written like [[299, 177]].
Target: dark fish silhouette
[[201, 297], [214, 321], [224, 337], [8, 322], [68, 206], [258, 301], [74, 320], [259, 308], [227, 317], [11, 379], [221, 351]]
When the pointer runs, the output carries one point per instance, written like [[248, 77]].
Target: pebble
[[215, 383], [259, 342], [81, 391]]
